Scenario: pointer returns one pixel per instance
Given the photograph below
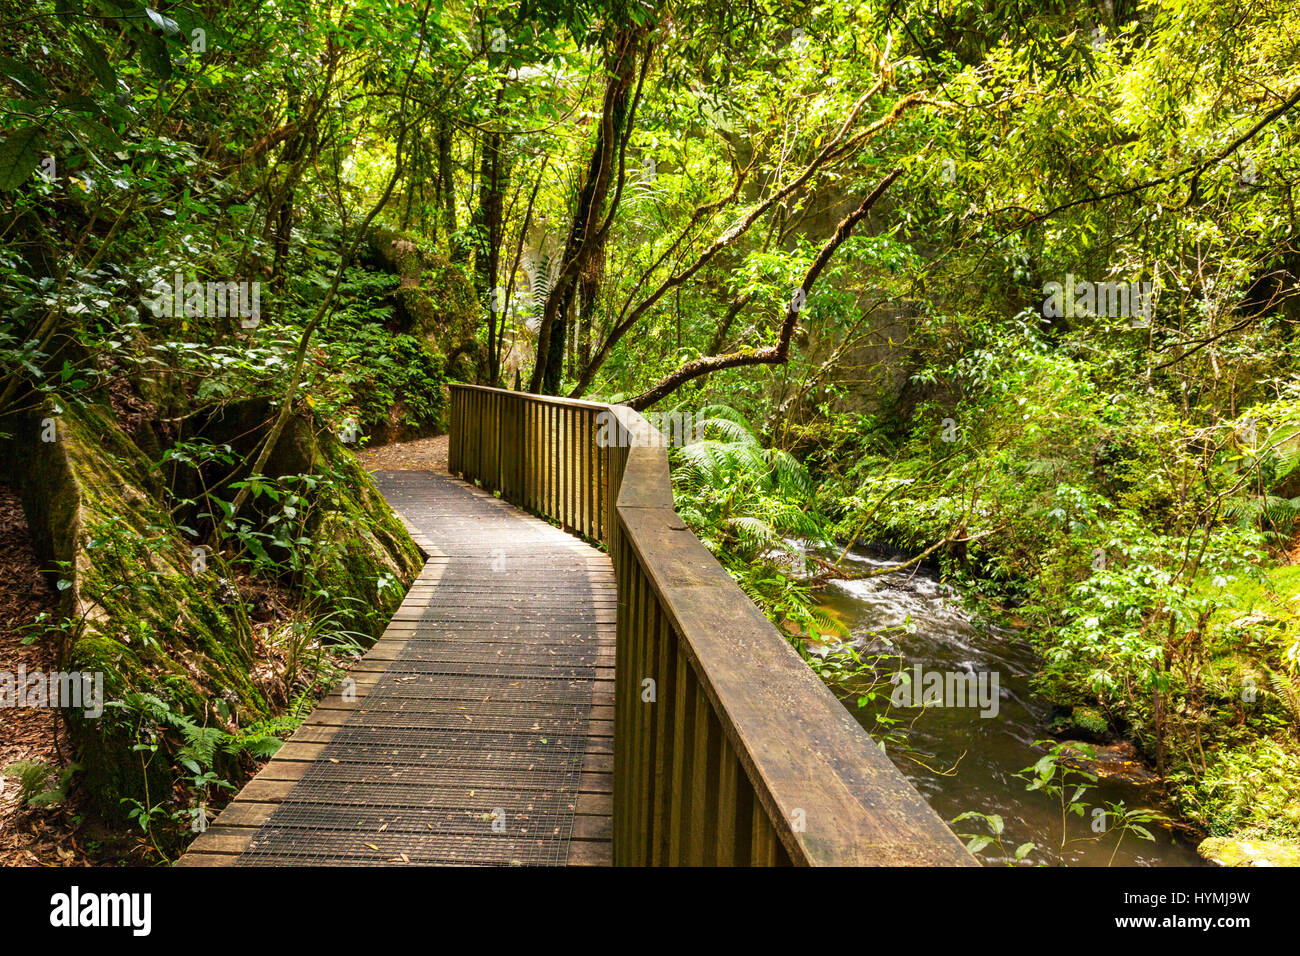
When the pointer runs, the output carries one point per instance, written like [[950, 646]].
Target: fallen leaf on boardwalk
[[372, 846]]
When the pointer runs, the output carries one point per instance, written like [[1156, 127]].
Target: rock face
[[1242, 851], [153, 615], [434, 298], [134, 611]]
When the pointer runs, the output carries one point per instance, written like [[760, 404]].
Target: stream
[[980, 755]]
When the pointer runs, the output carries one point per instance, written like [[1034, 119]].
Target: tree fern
[[745, 501]]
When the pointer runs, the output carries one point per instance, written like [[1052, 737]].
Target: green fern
[[1288, 694], [1264, 511], [41, 784], [745, 502], [756, 534]]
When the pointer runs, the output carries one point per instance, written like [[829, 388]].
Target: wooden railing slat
[[665, 675], [680, 788]]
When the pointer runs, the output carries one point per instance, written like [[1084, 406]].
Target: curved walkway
[[478, 730]]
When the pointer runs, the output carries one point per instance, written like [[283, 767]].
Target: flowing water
[[980, 756]]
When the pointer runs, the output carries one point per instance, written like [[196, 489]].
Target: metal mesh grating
[[469, 748]]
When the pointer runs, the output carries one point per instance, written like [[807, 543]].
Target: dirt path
[[423, 454], [27, 837]]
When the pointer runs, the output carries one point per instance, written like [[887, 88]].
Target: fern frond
[[726, 430], [790, 474], [1287, 693], [728, 413], [753, 532]]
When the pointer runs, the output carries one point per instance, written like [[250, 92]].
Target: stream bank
[[966, 756]]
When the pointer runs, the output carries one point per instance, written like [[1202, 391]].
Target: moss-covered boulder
[[145, 609], [434, 299], [136, 611], [362, 555], [365, 558], [1247, 851]]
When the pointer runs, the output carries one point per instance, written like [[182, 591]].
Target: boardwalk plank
[[477, 730]]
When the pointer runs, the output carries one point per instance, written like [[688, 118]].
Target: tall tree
[[629, 49]]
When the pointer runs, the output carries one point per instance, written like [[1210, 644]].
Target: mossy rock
[[1090, 722], [1086, 723], [1248, 851], [371, 557], [359, 541], [140, 615], [434, 299], [152, 622]]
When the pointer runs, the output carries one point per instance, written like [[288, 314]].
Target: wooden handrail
[[728, 749]]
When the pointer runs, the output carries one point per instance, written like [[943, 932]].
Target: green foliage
[[1059, 778], [201, 753], [994, 826], [40, 784], [750, 506], [1127, 491], [1250, 788], [372, 374]]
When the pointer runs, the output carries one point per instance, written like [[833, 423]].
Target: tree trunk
[[588, 224], [447, 191], [487, 237]]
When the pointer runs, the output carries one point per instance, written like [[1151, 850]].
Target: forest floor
[[423, 454], [28, 837]]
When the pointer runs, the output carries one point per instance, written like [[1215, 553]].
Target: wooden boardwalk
[[478, 730]]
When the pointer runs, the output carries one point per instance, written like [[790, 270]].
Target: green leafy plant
[[994, 830], [1056, 776], [41, 784]]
